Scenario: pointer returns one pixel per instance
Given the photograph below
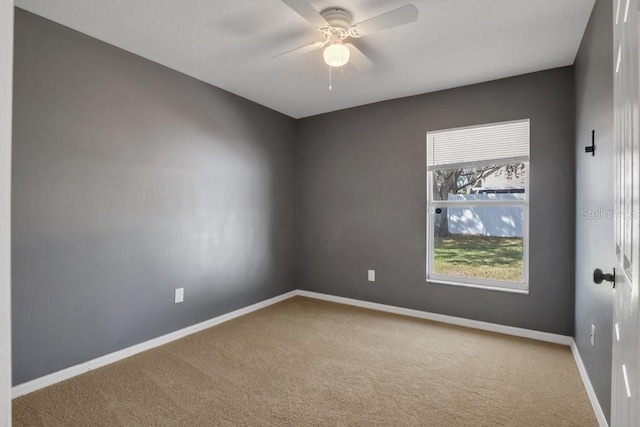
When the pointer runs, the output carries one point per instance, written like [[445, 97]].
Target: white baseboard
[[73, 371], [593, 398], [459, 321]]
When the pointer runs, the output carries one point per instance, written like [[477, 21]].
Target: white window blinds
[[493, 143]]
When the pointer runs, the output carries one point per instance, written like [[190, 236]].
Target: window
[[478, 206]]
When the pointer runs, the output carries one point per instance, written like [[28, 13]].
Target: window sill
[[485, 287]]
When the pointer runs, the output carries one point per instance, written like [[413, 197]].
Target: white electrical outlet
[[179, 295], [371, 275], [593, 335]]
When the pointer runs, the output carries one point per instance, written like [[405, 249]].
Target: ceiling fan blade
[[301, 50], [358, 59], [308, 12], [400, 16]]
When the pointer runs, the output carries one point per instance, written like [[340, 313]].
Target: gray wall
[[130, 180], [595, 192], [361, 200]]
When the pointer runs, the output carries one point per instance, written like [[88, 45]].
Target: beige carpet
[[304, 362]]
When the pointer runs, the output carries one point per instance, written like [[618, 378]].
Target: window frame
[[431, 205]]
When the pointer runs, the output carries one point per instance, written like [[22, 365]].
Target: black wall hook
[[592, 148]]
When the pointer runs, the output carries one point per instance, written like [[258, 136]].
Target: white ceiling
[[229, 43]]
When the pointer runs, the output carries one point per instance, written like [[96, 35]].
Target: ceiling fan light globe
[[336, 55]]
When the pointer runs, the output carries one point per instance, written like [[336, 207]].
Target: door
[[6, 83], [624, 392]]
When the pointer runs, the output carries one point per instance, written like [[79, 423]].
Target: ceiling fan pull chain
[[330, 88]]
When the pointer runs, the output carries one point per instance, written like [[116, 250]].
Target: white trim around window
[[521, 287]]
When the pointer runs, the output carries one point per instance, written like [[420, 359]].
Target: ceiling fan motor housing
[[339, 23]]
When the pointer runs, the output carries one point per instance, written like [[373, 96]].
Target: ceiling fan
[[335, 25]]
